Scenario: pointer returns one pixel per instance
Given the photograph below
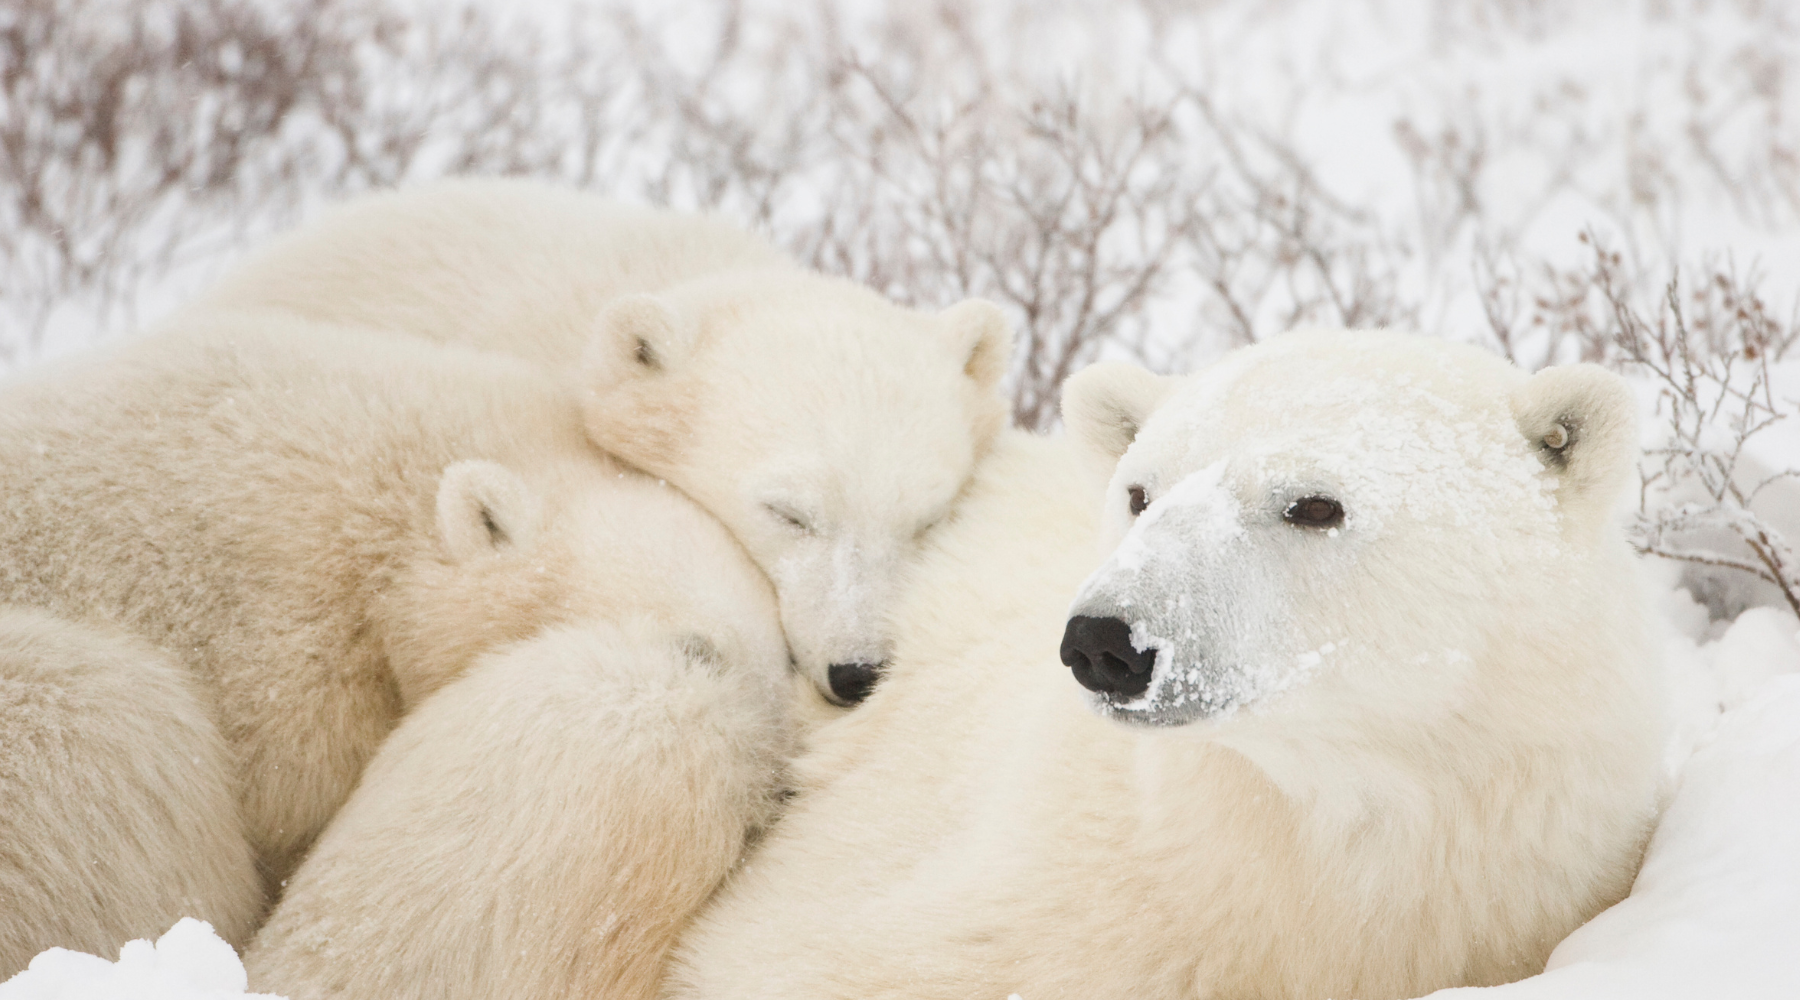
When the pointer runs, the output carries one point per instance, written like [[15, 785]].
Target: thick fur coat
[[827, 427], [1386, 719], [238, 552]]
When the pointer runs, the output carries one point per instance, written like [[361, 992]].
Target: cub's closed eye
[[1139, 499], [789, 516], [1314, 512]]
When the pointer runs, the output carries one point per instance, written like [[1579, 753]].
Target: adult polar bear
[[824, 425], [236, 553], [1384, 718]]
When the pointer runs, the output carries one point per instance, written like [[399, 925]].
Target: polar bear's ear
[[1105, 404], [482, 507], [1582, 421], [980, 333], [637, 335]]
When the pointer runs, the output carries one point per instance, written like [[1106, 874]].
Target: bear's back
[[504, 265], [242, 491], [221, 458]]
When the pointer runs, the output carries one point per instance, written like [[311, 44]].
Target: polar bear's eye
[[790, 517], [1314, 512], [1139, 500]]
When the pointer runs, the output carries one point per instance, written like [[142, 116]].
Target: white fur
[[825, 426], [1438, 756], [115, 786], [542, 827], [308, 530]]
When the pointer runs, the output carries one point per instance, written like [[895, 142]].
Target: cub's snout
[[852, 682]]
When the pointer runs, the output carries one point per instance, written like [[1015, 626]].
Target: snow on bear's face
[[1314, 514], [826, 427]]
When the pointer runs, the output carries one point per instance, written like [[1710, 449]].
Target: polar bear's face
[[826, 427], [1313, 514]]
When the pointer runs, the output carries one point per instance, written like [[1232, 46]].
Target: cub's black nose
[[1100, 653], [852, 682]]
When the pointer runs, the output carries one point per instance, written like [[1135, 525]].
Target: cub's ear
[[1105, 405], [636, 336], [980, 333], [1582, 420], [482, 507]]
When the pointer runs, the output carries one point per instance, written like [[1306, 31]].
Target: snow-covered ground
[[1426, 163], [189, 962]]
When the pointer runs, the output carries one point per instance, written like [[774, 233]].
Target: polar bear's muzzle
[[1180, 624], [1139, 687], [1104, 661]]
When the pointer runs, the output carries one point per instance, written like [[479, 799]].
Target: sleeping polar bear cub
[[1361, 703], [824, 425]]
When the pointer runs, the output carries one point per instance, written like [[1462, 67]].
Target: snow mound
[[189, 962]]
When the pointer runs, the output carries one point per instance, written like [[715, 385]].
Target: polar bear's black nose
[[1100, 653], [852, 682]]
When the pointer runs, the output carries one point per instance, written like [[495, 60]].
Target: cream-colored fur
[[1408, 752], [543, 827], [319, 527], [824, 425], [114, 786]]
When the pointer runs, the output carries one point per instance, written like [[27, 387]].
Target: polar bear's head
[[511, 553], [825, 426], [1338, 517]]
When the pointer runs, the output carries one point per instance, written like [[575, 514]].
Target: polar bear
[[542, 827], [827, 427], [238, 551], [1358, 701]]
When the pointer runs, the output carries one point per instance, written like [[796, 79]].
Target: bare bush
[[1274, 249], [1709, 349], [1714, 404], [137, 136], [1050, 209], [127, 132]]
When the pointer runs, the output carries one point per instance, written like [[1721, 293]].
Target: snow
[[1219, 520], [1164, 564], [189, 962]]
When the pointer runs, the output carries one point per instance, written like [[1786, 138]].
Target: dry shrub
[[1708, 497], [128, 132]]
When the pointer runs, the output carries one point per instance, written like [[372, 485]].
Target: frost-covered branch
[[1710, 351]]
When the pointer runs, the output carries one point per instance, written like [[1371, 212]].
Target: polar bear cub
[[827, 427], [542, 827], [238, 552], [1358, 702]]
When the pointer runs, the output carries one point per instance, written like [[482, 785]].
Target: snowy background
[[1150, 180]]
